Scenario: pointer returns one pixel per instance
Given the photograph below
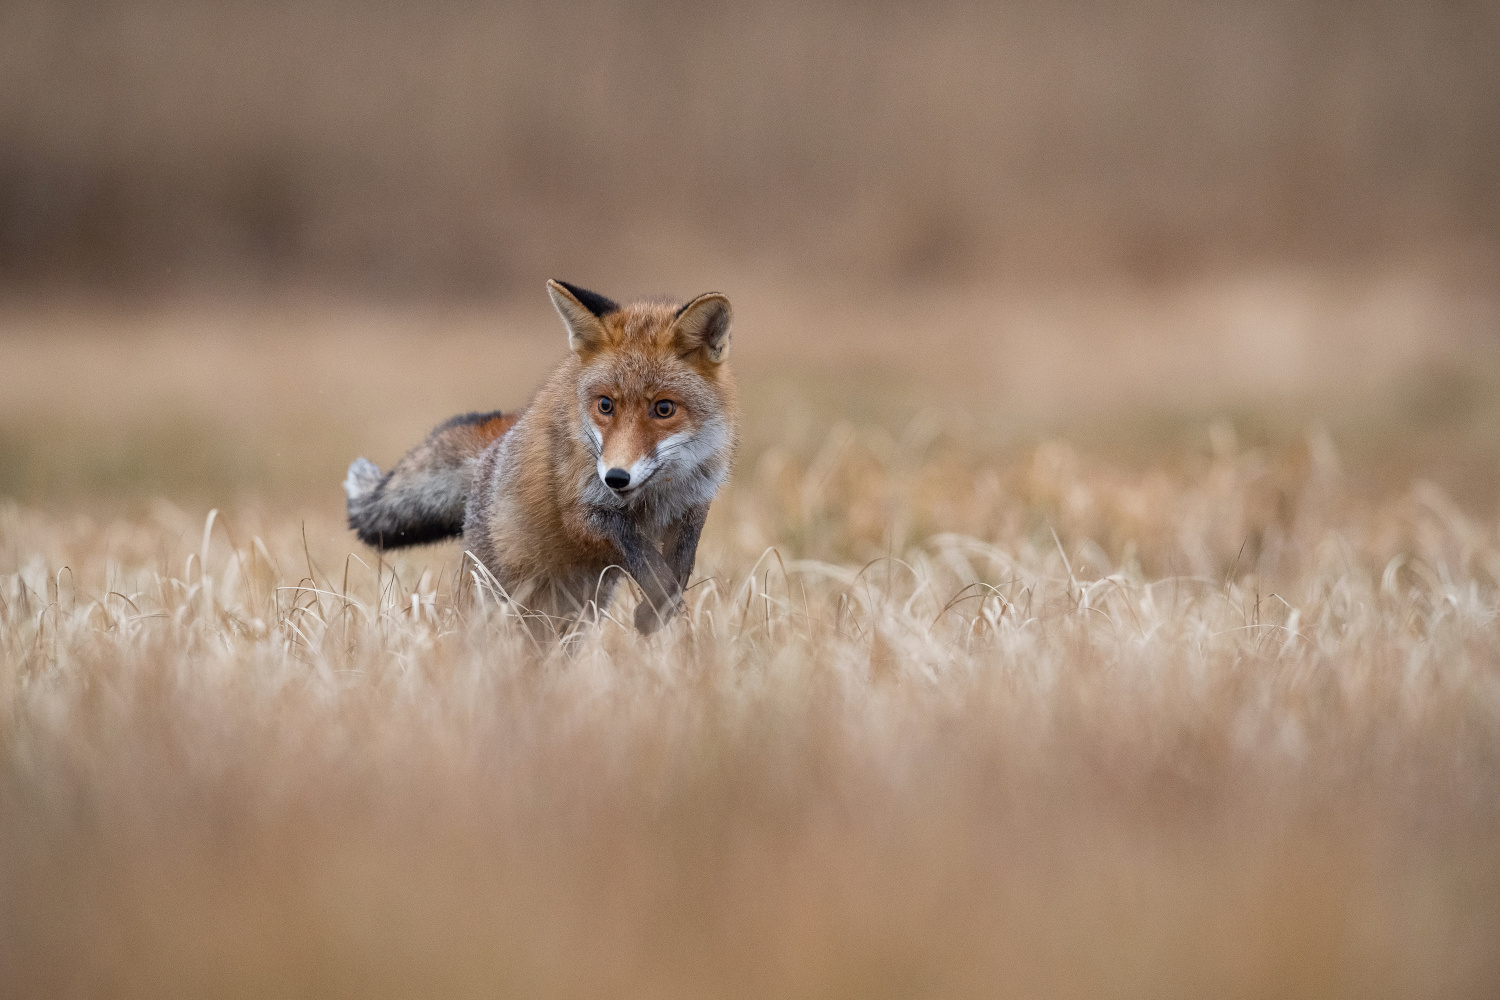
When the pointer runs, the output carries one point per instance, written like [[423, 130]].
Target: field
[[1110, 643]]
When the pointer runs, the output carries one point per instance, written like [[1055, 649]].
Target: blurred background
[[468, 148], [240, 240]]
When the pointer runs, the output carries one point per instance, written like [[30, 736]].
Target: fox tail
[[422, 498]]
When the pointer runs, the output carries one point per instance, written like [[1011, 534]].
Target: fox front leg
[[681, 546], [680, 550], [656, 577]]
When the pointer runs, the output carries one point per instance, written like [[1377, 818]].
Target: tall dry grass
[[930, 726]]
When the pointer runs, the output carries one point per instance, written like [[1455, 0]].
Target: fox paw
[[648, 620], [363, 477]]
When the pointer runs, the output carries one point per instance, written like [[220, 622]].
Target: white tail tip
[[364, 476]]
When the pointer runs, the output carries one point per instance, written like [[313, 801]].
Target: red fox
[[612, 466]]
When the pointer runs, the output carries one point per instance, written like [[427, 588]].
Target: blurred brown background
[[468, 148], [241, 243]]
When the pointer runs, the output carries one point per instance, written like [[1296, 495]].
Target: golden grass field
[[1116, 642]]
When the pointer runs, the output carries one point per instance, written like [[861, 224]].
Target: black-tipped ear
[[581, 311], [703, 326], [592, 301]]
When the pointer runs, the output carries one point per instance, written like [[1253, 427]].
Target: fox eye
[[664, 408], [606, 405]]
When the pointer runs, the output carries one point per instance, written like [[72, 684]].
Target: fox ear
[[581, 311], [703, 325]]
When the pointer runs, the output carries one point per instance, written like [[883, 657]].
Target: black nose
[[617, 479]]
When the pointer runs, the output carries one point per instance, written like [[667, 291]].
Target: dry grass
[[1045, 645], [932, 726]]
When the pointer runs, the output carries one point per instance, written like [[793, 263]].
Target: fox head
[[655, 400]]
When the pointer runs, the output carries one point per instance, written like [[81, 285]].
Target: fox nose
[[617, 479]]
